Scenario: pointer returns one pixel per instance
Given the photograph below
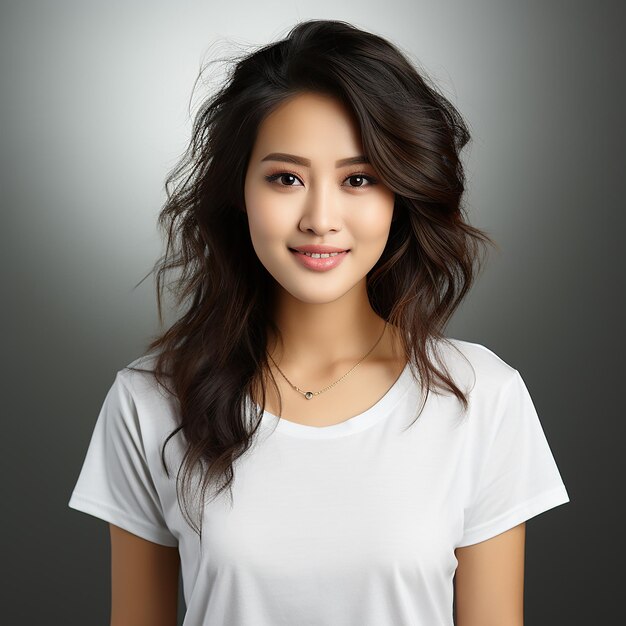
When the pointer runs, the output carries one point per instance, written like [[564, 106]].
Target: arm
[[489, 584], [144, 581]]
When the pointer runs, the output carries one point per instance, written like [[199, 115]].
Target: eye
[[360, 178], [284, 176], [288, 179]]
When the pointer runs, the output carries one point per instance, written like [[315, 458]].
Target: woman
[[339, 461]]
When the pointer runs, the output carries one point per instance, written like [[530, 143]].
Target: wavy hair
[[214, 354]]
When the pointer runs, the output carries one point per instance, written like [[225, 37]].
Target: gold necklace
[[309, 394]]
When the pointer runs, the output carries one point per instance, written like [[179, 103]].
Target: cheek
[[266, 217], [373, 223], [266, 223]]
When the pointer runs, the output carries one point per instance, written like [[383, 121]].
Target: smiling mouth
[[319, 261], [319, 255]]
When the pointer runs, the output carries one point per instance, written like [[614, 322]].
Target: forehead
[[312, 123]]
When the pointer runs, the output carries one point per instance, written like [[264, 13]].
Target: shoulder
[[475, 366], [139, 373], [138, 381], [498, 399]]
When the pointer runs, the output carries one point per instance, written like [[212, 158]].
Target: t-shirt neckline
[[378, 411]]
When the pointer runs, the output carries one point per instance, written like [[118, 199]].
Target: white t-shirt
[[353, 524]]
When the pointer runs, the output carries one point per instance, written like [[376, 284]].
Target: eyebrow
[[292, 158]]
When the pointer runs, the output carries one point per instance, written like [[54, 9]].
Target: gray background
[[95, 106]]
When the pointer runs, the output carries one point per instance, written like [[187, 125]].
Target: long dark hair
[[214, 355]]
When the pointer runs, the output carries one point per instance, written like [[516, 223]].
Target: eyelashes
[[272, 178]]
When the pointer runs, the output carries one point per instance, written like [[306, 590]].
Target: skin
[[327, 325], [144, 581], [489, 583]]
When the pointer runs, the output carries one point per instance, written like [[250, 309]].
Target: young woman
[[304, 442]]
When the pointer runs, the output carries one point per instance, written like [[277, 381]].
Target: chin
[[311, 293]]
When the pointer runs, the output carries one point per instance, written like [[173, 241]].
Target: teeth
[[320, 256]]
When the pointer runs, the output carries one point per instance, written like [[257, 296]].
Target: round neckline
[[378, 411]]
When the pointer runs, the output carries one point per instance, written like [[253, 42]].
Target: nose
[[321, 210]]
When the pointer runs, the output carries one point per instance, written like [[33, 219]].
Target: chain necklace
[[309, 394]]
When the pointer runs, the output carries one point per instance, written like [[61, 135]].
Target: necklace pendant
[[308, 395]]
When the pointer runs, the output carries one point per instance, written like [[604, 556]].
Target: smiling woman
[[317, 222]]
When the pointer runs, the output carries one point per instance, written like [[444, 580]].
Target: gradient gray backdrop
[[95, 104]]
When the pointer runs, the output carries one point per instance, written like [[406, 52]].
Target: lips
[[318, 254], [319, 249], [320, 264]]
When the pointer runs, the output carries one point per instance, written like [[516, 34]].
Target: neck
[[326, 336]]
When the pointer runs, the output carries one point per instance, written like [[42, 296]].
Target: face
[[317, 201]]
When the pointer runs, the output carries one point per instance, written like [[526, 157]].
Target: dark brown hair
[[214, 355]]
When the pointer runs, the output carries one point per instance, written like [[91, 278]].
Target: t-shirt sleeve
[[115, 483], [519, 477]]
